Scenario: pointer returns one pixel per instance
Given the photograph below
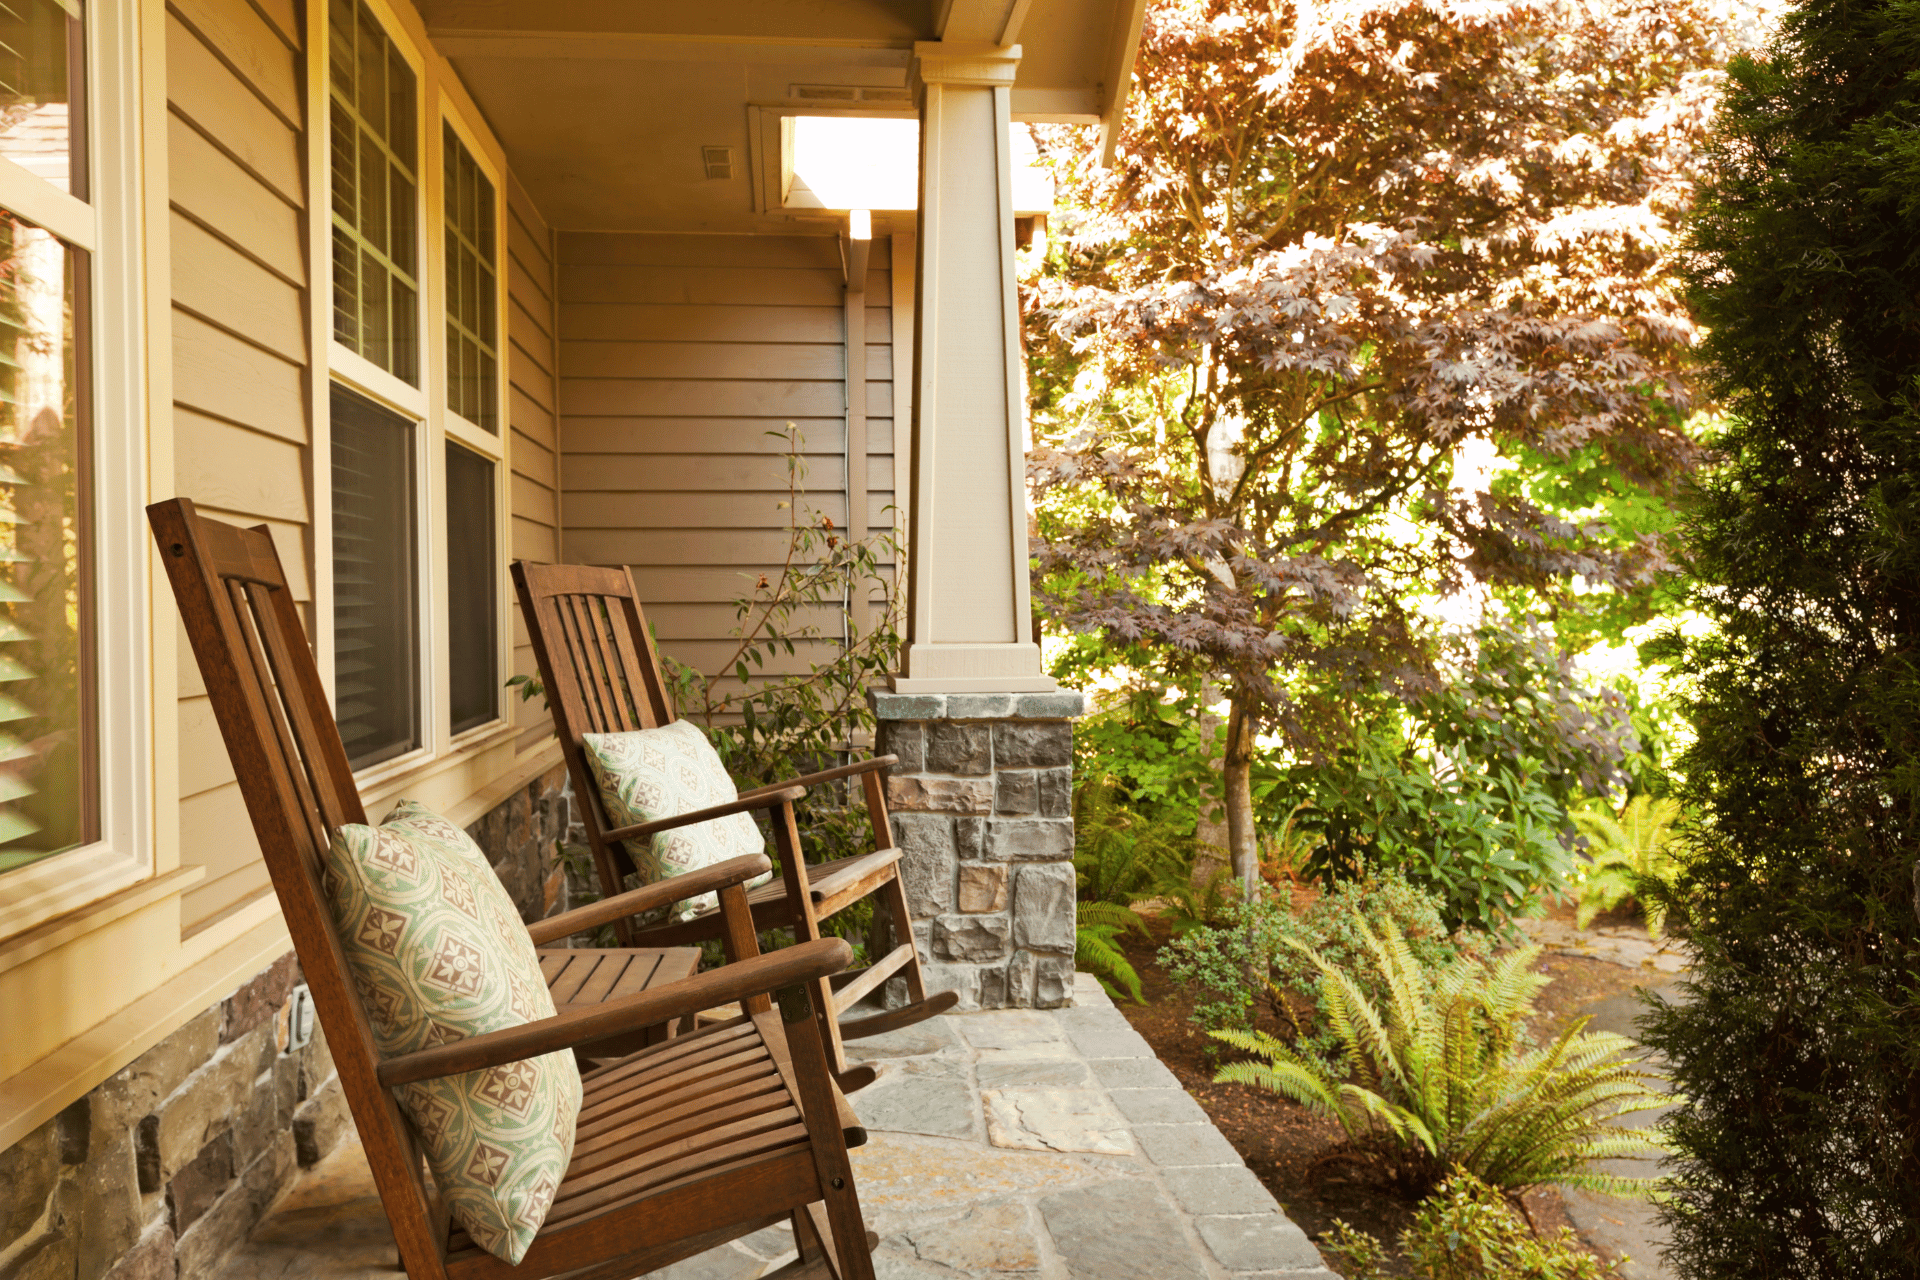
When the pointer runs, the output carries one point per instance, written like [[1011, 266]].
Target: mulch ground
[[1304, 1160]]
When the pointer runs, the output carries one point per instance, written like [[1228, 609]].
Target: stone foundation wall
[[519, 835], [160, 1172], [982, 803]]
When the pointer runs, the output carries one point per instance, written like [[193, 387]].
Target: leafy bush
[[1485, 842], [1446, 1075], [1260, 952], [1467, 1231], [1627, 852]]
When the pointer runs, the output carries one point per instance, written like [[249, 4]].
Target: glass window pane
[[375, 192], [376, 633], [472, 578], [47, 733], [40, 67], [472, 357]]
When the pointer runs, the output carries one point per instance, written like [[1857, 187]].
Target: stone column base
[[982, 802]]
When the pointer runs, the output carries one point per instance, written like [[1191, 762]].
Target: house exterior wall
[[682, 358], [532, 381], [158, 1008], [242, 433]]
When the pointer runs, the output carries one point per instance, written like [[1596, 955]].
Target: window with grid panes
[[376, 284], [472, 348], [376, 633], [49, 751], [473, 572]]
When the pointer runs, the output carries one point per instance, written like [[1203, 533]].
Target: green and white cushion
[[439, 954], [658, 773]]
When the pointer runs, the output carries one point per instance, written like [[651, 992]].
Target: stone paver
[[1006, 1145]]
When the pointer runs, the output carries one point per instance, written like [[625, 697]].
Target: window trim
[[108, 227], [441, 102]]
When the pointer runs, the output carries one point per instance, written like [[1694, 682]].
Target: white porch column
[[968, 618]]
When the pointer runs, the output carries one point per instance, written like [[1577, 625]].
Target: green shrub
[[1628, 852], [1467, 1231], [1445, 1076], [1259, 953], [1121, 855], [1485, 841]]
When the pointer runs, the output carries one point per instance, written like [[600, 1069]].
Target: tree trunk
[[1237, 780], [1210, 837]]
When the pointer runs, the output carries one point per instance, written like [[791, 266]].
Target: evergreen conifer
[[1799, 1047]]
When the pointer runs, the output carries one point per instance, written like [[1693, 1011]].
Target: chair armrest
[[869, 765], [760, 975], [648, 896], [768, 799]]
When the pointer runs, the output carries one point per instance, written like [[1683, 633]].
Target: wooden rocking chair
[[682, 1145], [602, 675]]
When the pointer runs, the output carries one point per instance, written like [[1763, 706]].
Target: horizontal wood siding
[[681, 359], [241, 432], [534, 487]]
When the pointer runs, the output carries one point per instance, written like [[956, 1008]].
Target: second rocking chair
[[602, 675]]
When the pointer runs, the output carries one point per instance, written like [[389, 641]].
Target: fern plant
[[1096, 947], [1625, 851], [1445, 1076]]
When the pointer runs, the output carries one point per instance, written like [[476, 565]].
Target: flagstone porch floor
[[1008, 1145]]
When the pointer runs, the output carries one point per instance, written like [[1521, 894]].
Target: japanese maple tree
[[1338, 242]]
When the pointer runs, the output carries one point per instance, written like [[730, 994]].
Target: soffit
[[603, 106]]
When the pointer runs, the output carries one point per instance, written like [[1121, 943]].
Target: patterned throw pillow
[[657, 773], [439, 954]]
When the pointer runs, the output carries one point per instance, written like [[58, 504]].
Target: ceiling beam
[[1119, 77]]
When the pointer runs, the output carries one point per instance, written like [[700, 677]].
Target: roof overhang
[[604, 106]]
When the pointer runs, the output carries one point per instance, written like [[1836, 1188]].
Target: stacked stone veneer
[[982, 802], [163, 1170]]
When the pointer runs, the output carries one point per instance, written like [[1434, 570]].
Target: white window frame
[[425, 405], [107, 226], [452, 426]]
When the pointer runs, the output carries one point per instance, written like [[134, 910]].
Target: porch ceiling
[[603, 106]]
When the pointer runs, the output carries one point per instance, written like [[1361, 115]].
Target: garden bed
[[1302, 1159]]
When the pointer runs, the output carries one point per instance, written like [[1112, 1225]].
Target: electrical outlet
[[299, 1019]]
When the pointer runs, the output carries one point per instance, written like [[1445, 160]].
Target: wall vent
[[718, 161], [846, 93]]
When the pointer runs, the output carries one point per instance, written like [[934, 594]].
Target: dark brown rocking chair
[[602, 675], [682, 1145]]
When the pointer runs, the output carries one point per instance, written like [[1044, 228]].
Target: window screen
[[376, 284], [376, 632], [472, 575], [472, 349]]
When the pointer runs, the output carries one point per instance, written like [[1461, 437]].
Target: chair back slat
[[293, 773], [601, 673]]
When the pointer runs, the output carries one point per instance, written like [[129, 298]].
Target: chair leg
[[894, 894], [843, 1235]]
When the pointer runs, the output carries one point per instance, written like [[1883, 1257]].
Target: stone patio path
[[1009, 1145]]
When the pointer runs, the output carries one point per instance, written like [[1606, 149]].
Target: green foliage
[[1485, 842], [1468, 792], [1120, 855], [1799, 1147], [1627, 850], [1467, 1230], [1096, 947], [1259, 953], [1445, 1076]]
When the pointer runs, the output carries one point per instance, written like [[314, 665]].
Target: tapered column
[[968, 623]]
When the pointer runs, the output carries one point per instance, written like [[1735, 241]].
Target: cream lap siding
[[679, 354], [534, 497], [241, 429]]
